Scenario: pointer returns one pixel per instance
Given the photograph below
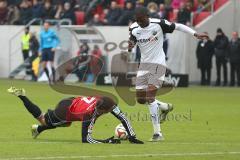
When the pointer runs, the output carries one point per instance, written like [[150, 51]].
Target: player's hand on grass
[[201, 36], [135, 140], [112, 140]]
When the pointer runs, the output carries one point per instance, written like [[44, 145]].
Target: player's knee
[[41, 119], [141, 100]]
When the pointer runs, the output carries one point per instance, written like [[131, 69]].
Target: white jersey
[[150, 39]]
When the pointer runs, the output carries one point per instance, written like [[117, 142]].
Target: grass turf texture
[[210, 132]]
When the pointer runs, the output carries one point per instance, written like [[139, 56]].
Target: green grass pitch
[[205, 124]]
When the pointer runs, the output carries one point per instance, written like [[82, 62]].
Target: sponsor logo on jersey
[[154, 33], [150, 39]]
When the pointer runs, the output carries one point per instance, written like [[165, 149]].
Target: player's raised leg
[[33, 109], [141, 96]]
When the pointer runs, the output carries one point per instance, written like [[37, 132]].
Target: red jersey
[[82, 108]]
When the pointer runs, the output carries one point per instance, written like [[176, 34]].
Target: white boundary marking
[[79, 142], [127, 155]]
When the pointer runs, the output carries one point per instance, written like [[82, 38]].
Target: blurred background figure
[[3, 12], [94, 65], [82, 62], [175, 4], [65, 12], [48, 43], [234, 58], [146, 2], [127, 14], [34, 48], [13, 15], [96, 21], [184, 14], [221, 47], [113, 14], [203, 5], [83, 50], [48, 11], [205, 51], [68, 13], [34, 44], [25, 12], [37, 9], [153, 10], [162, 12], [25, 43]]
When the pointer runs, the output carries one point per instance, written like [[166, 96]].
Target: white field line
[[127, 155], [167, 143]]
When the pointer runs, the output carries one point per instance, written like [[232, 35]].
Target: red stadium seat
[[121, 3], [80, 17], [198, 17], [219, 3]]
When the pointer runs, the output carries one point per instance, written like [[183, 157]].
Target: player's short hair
[[141, 11], [105, 103]]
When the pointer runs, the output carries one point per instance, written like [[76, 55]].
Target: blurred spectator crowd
[[97, 12]]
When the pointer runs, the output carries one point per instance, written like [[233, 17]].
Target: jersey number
[[88, 101]]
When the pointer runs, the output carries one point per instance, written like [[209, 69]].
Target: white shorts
[[150, 74]]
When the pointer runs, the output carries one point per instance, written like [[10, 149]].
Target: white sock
[[163, 106], [154, 112]]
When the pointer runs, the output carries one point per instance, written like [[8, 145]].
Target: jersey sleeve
[[89, 138], [167, 27], [121, 116], [131, 36]]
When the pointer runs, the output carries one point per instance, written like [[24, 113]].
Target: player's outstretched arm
[[186, 29], [87, 134], [127, 125]]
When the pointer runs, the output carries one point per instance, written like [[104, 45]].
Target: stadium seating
[[218, 4], [80, 17], [198, 17], [121, 3]]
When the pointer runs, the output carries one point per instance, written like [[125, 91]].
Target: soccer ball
[[120, 132]]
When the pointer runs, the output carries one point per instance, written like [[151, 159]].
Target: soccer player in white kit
[[147, 33]]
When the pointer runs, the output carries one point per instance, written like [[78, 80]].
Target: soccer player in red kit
[[85, 109]]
